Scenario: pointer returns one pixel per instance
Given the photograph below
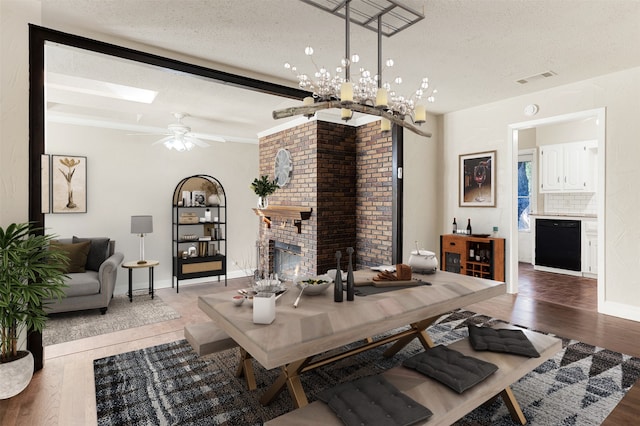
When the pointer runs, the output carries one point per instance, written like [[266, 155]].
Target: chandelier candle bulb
[[381, 98], [420, 114], [385, 125], [346, 92], [308, 101]]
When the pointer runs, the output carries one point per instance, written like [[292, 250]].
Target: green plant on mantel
[[29, 274], [264, 187]]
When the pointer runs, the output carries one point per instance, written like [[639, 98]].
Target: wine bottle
[[350, 279], [469, 227], [472, 255], [455, 226], [337, 285]]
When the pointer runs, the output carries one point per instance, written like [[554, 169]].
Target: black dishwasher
[[558, 244]]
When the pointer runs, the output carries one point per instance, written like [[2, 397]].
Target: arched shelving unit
[[199, 229]]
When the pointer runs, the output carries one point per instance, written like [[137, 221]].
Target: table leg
[[290, 376], [151, 281], [419, 332], [245, 368], [512, 405], [130, 285]]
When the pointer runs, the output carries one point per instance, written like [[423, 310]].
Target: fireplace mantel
[[297, 213]]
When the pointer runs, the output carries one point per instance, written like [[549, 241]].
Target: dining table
[[320, 331]]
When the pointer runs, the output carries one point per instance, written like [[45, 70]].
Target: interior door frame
[[512, 137]]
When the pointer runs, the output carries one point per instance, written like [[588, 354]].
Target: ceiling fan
[[180, 137]]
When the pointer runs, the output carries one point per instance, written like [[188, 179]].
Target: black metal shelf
[[199, 266]]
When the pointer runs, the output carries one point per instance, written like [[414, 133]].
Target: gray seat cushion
[[501, 340], [450, 367], [82, 284], [373, 401]]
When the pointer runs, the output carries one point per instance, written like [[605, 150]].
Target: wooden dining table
[[299, 339]]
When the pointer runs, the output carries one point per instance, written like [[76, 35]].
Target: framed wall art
[[477, 179], [69, 184]]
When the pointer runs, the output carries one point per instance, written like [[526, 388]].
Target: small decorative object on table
[[350, 279], [337, 287]]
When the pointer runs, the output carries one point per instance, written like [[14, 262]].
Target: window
[[525, 187]]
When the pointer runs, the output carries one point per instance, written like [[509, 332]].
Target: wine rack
[[476, 256]]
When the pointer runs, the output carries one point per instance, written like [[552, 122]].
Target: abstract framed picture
[[69, 184], [477, 180]]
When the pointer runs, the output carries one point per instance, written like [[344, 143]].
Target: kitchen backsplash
[[571, 203]]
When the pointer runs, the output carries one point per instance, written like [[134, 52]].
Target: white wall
[[422, 182], [485, 128], [128, 176]]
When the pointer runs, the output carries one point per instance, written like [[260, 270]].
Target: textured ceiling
[[473, 51]]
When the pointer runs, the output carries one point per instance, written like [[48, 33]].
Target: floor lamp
[[141, 225]]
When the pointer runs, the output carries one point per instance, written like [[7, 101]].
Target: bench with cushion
[[91, 274], [446, 404]]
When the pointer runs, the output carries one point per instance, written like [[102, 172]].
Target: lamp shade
[[141, 224]]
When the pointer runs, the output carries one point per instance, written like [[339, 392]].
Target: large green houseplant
[[29, 274]]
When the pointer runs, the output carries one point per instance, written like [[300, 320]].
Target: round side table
[[150, 264]]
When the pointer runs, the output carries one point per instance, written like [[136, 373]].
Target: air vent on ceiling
[[535, 77]]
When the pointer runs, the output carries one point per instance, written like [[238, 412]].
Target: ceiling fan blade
[[196, 141], [163, 140]]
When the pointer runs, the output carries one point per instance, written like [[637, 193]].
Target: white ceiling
[[473, 52]]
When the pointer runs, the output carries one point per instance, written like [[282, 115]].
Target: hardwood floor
[[63, 392]]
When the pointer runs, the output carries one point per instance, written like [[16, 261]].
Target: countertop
[[569, 216]]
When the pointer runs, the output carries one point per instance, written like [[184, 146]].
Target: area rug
[[171, 385], [121, 315]]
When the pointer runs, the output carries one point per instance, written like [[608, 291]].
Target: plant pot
[[213, 200], [16, 375], [263, 202]]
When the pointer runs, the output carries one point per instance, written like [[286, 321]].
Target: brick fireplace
[[344, 174]]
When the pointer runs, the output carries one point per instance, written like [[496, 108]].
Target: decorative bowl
[[313, 284], [238, 300], [268, 286]]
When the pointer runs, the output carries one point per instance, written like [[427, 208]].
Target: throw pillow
[[98, 253], [501, 340], [77, 254], [450, 367], [373, 401]]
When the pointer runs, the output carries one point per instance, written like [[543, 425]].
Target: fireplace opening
[[286, 260]]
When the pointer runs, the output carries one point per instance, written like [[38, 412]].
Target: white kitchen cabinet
[[568, 167], [590, 248]]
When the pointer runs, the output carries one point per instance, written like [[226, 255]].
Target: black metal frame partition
[[39, 36]]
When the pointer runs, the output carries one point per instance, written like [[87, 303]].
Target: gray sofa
[[90, 285]]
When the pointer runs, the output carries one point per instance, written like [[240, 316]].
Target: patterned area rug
[[170, 385], [121, 315]]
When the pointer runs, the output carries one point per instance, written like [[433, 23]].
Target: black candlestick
[[337, 286], [350, 284]]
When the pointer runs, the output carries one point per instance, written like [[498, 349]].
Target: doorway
[[520, 131]]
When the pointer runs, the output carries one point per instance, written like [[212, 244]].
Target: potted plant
[[29, 273], [263, 187]]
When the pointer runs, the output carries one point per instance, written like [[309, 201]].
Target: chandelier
[[367, 93]]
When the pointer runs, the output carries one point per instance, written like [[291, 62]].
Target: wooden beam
[[309, 110]]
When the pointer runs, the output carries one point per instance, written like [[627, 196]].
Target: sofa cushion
[[82, 284], [373, 400], [77, 255], [450, 367], [98, 253], [501, 340]]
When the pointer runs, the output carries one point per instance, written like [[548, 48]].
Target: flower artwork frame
[[68, 184], [477, 179]]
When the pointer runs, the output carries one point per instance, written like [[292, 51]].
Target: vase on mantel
[[263, 202]]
